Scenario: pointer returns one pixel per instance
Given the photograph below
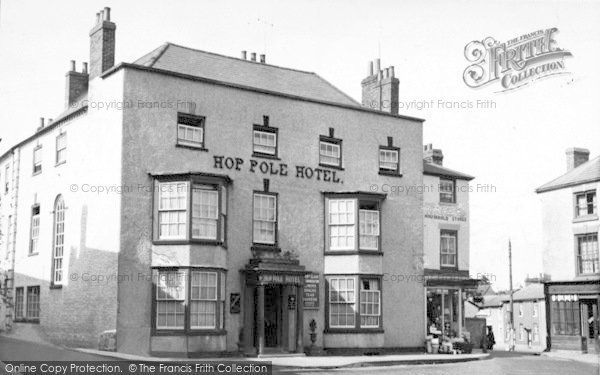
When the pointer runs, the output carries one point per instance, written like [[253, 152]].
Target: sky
[[513, 147]]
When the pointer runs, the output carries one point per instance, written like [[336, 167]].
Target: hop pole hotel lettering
[[515, 63]]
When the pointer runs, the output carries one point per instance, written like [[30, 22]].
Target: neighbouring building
[[570, 227], [446, 245], [194, 203], [491, 309]]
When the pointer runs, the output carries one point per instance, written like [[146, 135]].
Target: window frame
[[356, 328], [453, 181], [35, 171], [387, 171], [333, 141], [266, 245], [34, 305], [454, 232], [20, 304], [54, 283], [180, 142], [265, 129], [219, 182], [57, 153], [578, 257], [594, 204], [188, 330], [34, 241], [359, 200]]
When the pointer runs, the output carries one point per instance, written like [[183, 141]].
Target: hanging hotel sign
[[515, 63], [311, 291], [273, 168]]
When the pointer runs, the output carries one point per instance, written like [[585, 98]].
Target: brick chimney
[[433, 156], [76, 85], [380, 90], [102, 44], [576, 157]]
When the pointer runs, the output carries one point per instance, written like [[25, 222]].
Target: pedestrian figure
[[490, 338]]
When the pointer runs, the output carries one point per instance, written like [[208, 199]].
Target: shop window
[[586, 204], [177, 311], [37, 160], [348, 231], [447, 190], [35, 229], [564, 314], [587, 254], [190, 130], [265, 219], [191, 209], [352, 305], [448, 248]]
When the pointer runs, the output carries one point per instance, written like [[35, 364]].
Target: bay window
[[188, 300], [353, 221], [353, 302], [190, 208]]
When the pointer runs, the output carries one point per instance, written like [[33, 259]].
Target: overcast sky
[[515, 147]]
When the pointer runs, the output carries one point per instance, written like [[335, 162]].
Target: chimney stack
[[253, 56], [576, 157], [244, 54], [102, 44], [263, 59], [380, 90], [76, 84], [432, 155]]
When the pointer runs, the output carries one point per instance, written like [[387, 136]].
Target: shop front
[[445, 300], [273, 300], [573, 319]]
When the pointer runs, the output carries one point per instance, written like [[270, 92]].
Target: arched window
[[59, 241]]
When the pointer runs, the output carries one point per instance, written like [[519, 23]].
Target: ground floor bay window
[[353, 303], [188, 300]]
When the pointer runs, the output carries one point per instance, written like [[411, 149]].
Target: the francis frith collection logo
[[515, 63]]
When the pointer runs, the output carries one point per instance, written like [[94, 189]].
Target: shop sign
[[270, 278]]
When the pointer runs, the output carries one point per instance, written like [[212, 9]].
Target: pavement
[[590, 358], [320, 362]]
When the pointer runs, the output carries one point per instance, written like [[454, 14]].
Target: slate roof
[[437, 170], [493, 300], [586, 172], [184, 60], [528, 293]]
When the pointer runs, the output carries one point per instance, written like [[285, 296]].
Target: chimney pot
[[244, 55], [576, 156], [101, 16], [263, 59], [49, 121], [253, 56], [370, 71], [106, 13], [97, 17], [72, 65], [392, 71], [41, 122], [102, 45], [380, 75], [84, 68], [433, 156], [387, 72], [377, 65]]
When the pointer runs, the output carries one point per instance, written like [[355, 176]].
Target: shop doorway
[[590, 323]]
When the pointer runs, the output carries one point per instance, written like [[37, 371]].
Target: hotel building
[[193, 203]]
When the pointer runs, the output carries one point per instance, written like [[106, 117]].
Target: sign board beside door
[[311, 291]]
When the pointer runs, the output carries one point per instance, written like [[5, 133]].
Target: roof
[[188, 61], [530, 292], [585, 173], [438, 170], [493, 300]]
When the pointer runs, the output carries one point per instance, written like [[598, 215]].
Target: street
[[498, 363]]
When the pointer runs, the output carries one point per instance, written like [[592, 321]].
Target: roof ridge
[[239, 59], [337, 89], [542, 188]]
